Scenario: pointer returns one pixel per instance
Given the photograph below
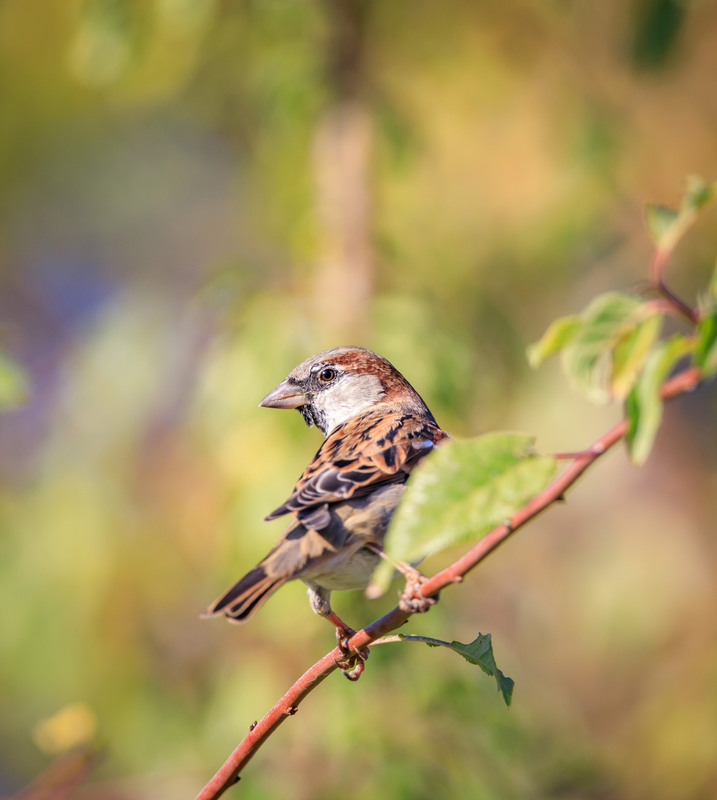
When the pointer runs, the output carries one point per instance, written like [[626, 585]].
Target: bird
[[376, 428]]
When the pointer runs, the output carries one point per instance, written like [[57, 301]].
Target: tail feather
[[246, 596]]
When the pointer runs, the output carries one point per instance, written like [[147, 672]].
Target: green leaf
[[630, 354], [558, 334], [697, 194], [666, 225], [14, 389], [643, 407], [480, 653], [705, 353], [661, 222], [461, 492], [588, 358], [604, 348]]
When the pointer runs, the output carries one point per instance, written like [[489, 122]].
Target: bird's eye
[[327, 375]]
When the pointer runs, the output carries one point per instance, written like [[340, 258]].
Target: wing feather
[[367, 451]]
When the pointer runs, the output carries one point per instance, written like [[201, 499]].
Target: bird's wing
[[367, 451]]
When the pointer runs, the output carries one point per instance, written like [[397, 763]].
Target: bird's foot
[[352, 661], [412, 600], [353, 664]]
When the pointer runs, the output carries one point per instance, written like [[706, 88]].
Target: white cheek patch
[[351, 395]]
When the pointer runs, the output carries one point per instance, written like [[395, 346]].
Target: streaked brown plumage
[[377, 428]]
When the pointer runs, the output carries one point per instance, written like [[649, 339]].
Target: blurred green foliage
[[163, 263], [459, 493]]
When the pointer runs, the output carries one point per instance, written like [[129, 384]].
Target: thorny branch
[[228, 775]]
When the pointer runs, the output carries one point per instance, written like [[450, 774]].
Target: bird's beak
[[285, 395]]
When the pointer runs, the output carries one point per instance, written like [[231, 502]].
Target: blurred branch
[[657, 282], [680, 383], [342, 157], [61, 777], [668, 226]]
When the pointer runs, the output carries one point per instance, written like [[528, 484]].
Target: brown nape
[[366, 361]]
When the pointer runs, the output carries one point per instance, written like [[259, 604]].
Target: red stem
[[684, 381], [656, 272]]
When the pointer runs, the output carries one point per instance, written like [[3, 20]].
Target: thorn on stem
[[290, 711], [253, 725]]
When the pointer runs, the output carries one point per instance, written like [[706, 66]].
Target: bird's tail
[[246, 596]]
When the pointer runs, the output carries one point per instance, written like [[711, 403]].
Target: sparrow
[[376, 429]]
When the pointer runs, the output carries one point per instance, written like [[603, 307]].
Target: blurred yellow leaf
[[73, 725]]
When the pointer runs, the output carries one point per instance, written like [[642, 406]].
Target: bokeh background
[[196, 195]]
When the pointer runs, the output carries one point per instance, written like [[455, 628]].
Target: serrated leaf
[[459, 493], [697, 194], [644, 405], [558, 334], [661, 222], [480, 653], [14, 389], [705, 353], [630, 354], [588, 357]]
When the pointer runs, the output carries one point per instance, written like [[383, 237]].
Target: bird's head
[[332, 387]]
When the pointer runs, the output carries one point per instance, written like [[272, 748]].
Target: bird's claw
[[351, 667], [412, 600], [353, 659]]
